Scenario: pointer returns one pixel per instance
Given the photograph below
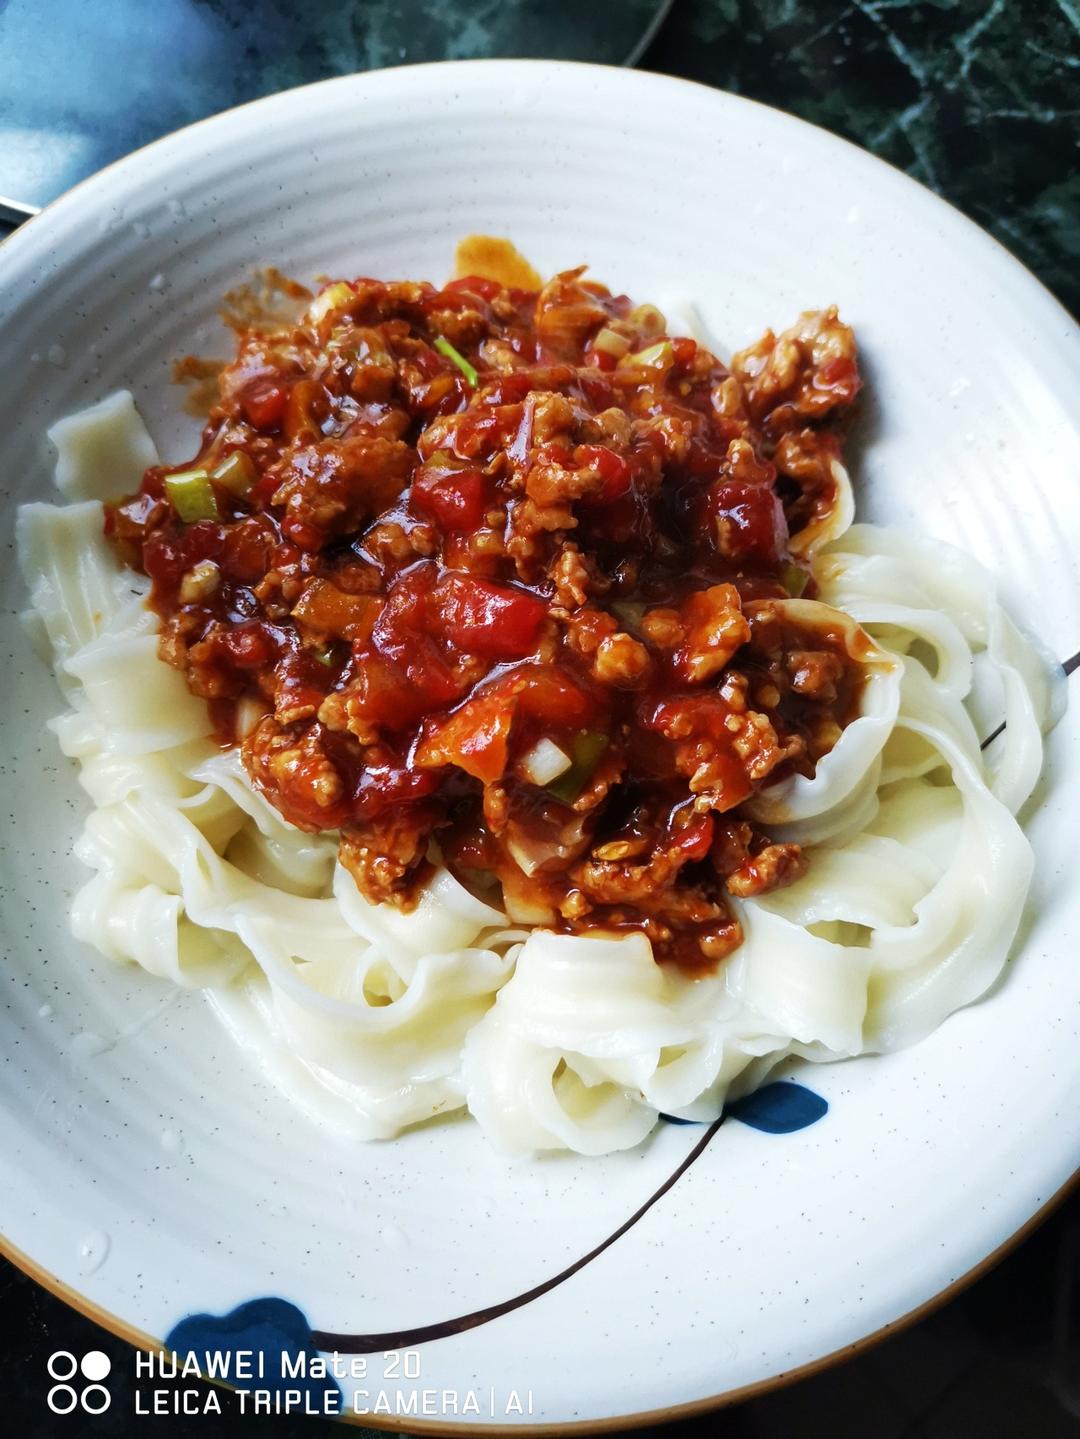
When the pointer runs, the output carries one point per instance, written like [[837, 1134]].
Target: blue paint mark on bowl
[[778, 1108], [272, 1331]]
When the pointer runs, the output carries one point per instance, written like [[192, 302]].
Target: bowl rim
[[13, 242], [1053, 312]]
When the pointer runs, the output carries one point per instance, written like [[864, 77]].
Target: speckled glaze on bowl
[[149, 1171]]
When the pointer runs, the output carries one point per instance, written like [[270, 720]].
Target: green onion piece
[[647, 319], [587, 749], [444, 347], [325, 655], [794, 578], [334, 297], [660, 356], [236, 473], [609, 342], [630, 612], [192, 495]]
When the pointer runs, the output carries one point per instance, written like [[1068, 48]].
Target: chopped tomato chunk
[[482, 618], [747, 522], [475, 738], [612, 468], [325, 609], [263, 403], [474, 285], [455, 499]]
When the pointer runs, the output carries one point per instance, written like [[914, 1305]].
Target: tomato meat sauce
[[502, 579]]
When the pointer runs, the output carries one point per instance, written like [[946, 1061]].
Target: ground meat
[[295, 765], [385, 855], [713, 628], [620, 660], [327, 488], [814, 672], [750, 864], [505, 577], [571, 578], [806, 373], [772, 867]]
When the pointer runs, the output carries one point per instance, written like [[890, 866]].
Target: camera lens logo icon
[[64, 1397]]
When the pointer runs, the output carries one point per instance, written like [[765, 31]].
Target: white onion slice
[[544, 762]]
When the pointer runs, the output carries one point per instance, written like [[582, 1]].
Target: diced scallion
[[544, 762], [523, 858], [629, 611], [647, 320], [249, 711], [334, 297], [199, 582], [794, 578], [236, 473], [660, 356], [609, 342], [587, 749], [444, 347], [192, 495]]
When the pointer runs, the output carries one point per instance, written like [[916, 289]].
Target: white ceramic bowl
[[149, 1172]]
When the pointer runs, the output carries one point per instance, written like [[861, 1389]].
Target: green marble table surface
[[979, 101]]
